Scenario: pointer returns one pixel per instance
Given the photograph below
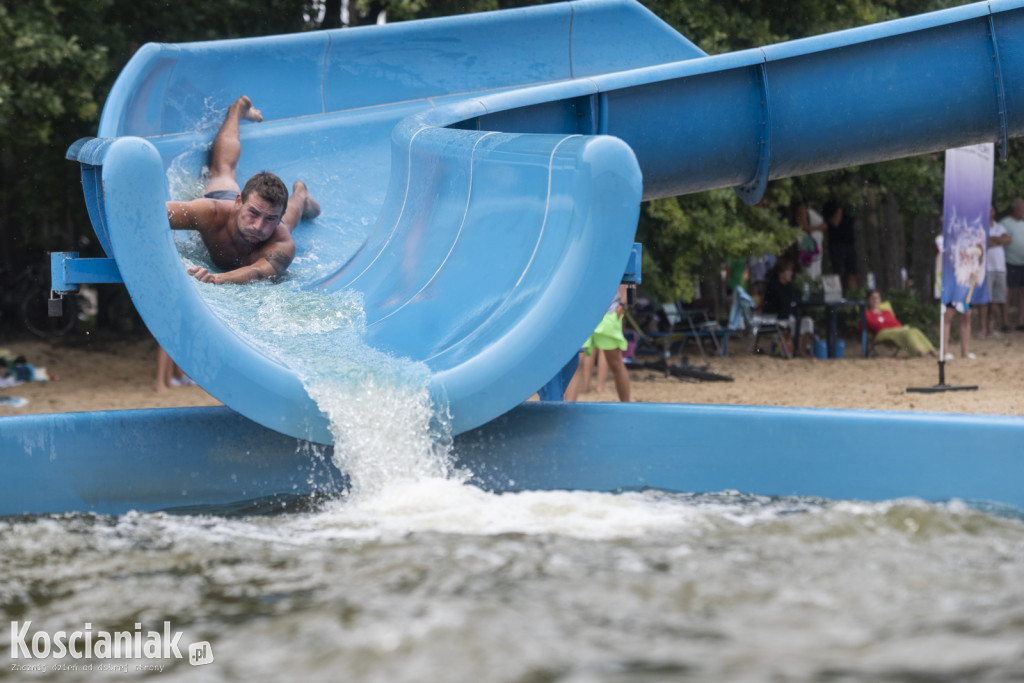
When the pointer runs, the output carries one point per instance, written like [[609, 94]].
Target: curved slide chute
[[481, 175]]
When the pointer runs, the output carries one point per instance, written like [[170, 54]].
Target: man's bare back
[[249, 238]]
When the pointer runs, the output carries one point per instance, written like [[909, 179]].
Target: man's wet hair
[[269, 187]]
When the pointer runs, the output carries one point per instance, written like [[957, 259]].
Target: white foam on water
[[384, 421], [437, 505]]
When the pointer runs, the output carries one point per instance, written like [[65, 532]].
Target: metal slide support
[[752, 192], [632, 274], [997, 69], [68, 271]]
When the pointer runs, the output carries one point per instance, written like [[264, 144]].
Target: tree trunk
[[872, 254], [922, 268], [893, 245], [332, 14], [860, 243], [711, 287], [373, 10], [11, 251]]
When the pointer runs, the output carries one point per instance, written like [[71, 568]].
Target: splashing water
[[385, 424]]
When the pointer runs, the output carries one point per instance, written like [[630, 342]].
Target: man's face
[[1018, 210], [257, 219]]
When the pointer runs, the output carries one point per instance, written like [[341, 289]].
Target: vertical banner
[[966, 211]]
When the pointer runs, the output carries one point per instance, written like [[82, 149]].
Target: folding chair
[[759, 324], [703, 324], [873, 345], [694, 323]]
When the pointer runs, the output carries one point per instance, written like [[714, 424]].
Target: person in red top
[[884, 327]]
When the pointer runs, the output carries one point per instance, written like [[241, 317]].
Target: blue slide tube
[[512, 149], [214, 460]]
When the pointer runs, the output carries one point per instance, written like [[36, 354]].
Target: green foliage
[[48, 75], [404, 10], [1009, 177], [718, 26], [45, 74], [365, 11], [690, 236]]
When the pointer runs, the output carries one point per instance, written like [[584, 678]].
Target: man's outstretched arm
[[238, 276], [271, 263], [197, 214]]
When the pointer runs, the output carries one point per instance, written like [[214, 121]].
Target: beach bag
[[808, 250]]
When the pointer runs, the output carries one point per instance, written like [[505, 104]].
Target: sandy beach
[[99, 372]]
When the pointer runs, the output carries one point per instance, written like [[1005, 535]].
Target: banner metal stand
[[942, 386]]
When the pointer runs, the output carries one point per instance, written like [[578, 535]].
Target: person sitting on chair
[[884, 327], [782, 299]]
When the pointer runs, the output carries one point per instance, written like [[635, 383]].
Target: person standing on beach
[[247, 231], [841, 243], [608, 341], [813, 225], [995, 267], [1014, 251]]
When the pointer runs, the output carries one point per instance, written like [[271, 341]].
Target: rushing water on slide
[[416, 576]]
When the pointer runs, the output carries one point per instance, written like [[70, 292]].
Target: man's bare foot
[[310, 207], [246, 112]]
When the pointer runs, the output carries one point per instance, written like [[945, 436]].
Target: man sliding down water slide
[[248, 232]]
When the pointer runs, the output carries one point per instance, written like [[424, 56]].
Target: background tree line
[[59, 58]]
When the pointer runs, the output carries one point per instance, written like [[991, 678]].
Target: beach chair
[[758, 324], [693, 322]]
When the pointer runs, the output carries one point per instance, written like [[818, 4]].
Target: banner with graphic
[[966, 211]]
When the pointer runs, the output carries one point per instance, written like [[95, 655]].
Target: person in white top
[[811, 222], [995, 275], [1014, 251]]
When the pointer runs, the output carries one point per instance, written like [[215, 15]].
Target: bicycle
[[26, 295], [679, 370]]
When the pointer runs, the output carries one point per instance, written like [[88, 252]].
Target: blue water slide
[[480, 175], [213, 460]]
